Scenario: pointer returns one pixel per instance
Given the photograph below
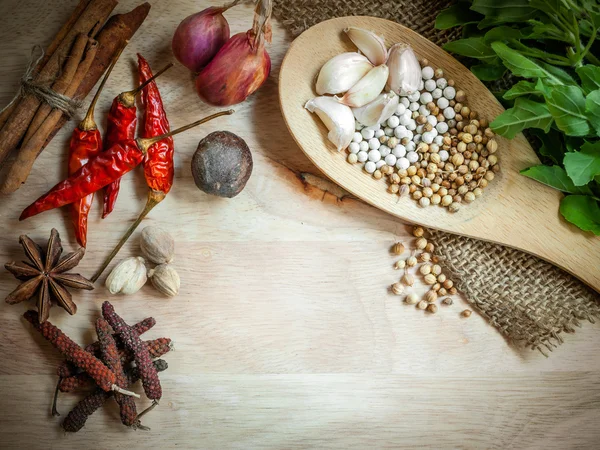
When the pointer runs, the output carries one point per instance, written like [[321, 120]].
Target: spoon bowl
[[514, 210]]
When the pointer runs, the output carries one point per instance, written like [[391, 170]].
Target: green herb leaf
[[473, 47], [552, 146], [582, 211], [525, 114], [553, 8], [503, 33], [454, 16], [555, 177], [498, 12], [487, 72], [582, 167], [556, 73], [523, 87], [525, 67], [567, 106], [590, 77], [592, 109]]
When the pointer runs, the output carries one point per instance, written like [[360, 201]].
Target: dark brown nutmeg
[[222, 164]]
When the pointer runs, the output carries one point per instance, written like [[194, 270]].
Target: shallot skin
[[199, 37], [235, 72]]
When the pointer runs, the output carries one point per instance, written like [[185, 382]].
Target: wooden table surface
[[285, 333]]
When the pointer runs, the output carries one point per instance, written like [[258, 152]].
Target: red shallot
[[241, 66]]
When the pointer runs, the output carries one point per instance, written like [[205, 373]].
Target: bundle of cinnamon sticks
[[72, 65]]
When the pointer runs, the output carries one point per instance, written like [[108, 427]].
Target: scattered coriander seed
[[352, 158], [436, 287], [411, 299], [430, 296], [398, 248], [377, 174], [418, 231], [400, 264], [408, 279], [442, 291], [447, 301], [448, 284], [421, 243], [454, 207], [397, 288], [411, 261], [430, 279], [393, 189], [425, 269], [424, 202], [429, 248], [441, 278], [432, 308], [424, 257], [422, 304], [436, 269], [466, 313]]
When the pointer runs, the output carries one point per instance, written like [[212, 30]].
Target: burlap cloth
[[528, 300]]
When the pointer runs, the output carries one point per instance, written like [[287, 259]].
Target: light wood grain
[[514, 210], [285, 333]]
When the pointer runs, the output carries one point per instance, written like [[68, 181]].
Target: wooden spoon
[[513, 210]]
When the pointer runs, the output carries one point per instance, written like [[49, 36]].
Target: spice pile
[[421, 134], [425, 262], [108, 364]]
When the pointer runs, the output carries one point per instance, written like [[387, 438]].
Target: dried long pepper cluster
[[78, 416], [131, 339]]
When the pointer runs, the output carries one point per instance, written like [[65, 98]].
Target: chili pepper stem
[[146, 143], [55, 400], [88, 123], [116, 388], [148, 409], [128, 98]]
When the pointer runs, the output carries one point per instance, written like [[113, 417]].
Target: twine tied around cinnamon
[[42, 91]]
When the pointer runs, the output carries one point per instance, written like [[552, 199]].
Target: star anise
[[45, 275]]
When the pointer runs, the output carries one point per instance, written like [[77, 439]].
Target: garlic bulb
[[371, 45], [367, 89], [338, 119], [378, 111], [165, 279], [405, 70], [128, 276], [342, 72]]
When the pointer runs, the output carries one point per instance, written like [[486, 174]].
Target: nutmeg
[[157, 245], [165, 279]]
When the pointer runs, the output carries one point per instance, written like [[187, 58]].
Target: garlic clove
[[338, 119], [371, 45], [367, 89], [405, 70], [127, 277], [165, 279], [378, 111], [342, 72]]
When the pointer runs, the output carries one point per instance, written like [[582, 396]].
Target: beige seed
[[377, 175], [441, 278], [418, 231], [436, 269], [424, 202], [398, 248], [436, 199], [454, 207], [446, 200], [393, 189], [421, 243], [447, 301], [411, 299], [425, 269], [411, 261], [352, 158], [466, 313], [436, 287], [417, 195], [492, 146], [400, 264], [422, 304], [424, 257], [397, 288], [448, 284], [412, 170], [452, 291], [432, 308], [429, 248], [408, 279], [469, 197], [442, 291], [430, 279], [430, 296]]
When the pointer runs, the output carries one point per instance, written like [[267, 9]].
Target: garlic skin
[[128, 276], [338, 119], [378, 111], [342, 72], [371, 45], [367, 89], [165, 279], [405, 70], [157, 245]]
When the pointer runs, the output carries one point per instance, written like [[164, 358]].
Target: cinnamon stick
[[119, 29], [62, 33], [60, 85], [97, 11], [21, 167]]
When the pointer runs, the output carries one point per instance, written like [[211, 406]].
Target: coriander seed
[[421, 243], [441, 278], [430, 296], [425, 269], [422, 304], [418, 231], [452, 291], [466, 313], [398, 248], [408, 279], [442, 291], [436, 269], [432, 308], [424, 257], [447, 301], [411, 261], [397, 288], [448, 284], [411, 299], [400, 265], [430, 279], [424, 202], [429, 248]]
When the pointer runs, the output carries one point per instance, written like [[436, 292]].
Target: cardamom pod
[[128, 276], [165, 279], [157, 245]]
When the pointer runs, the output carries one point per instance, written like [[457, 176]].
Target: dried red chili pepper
[[101, 374], [102, 170], [121, 125], [110, 356], [141, 356], [86, 143]]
